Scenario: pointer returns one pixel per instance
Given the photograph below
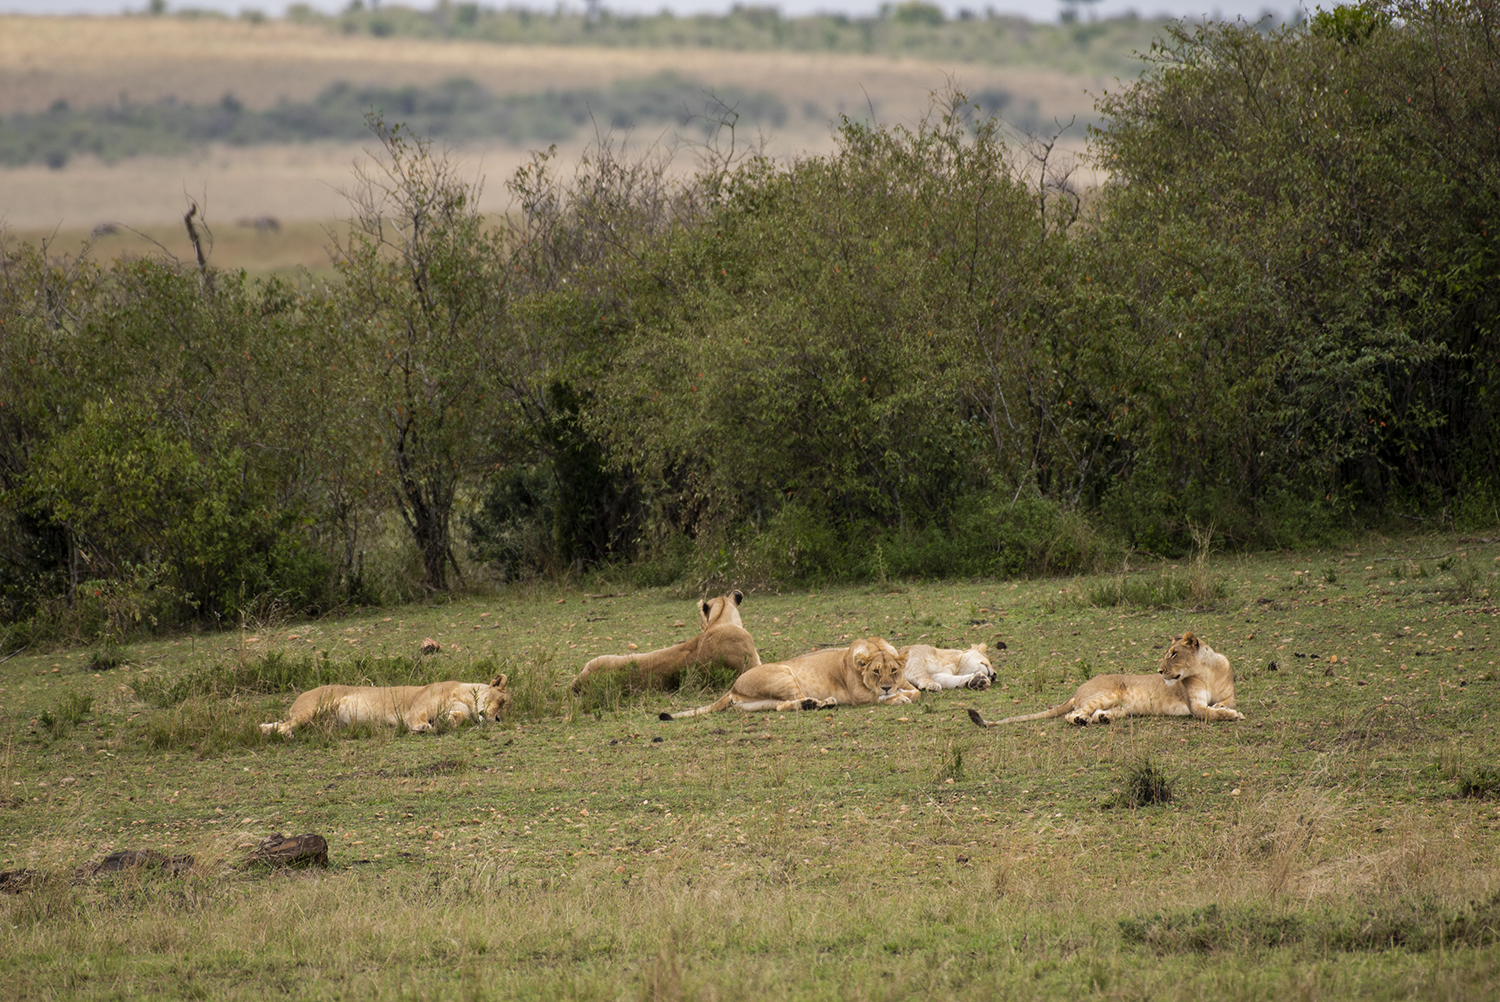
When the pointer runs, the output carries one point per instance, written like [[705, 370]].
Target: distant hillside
[[912, 29], [457, 110]]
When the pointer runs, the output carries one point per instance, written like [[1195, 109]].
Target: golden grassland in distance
[[99, 61]]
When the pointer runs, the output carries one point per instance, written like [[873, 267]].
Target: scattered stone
[[19, 881], [430, 646], [130, 859], [297, 851]]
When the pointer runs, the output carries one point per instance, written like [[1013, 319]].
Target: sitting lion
[[1192, 680], [419, 707], [867, 671], [723, 640], [933, 669]]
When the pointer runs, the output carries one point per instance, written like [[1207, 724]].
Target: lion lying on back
[[419, 707], [1192, 680], [723, 640], [867, 671], [933, 669]]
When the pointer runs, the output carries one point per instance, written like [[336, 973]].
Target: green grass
[[1340, 842]]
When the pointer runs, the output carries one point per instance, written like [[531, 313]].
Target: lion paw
[[978, 682], [1078, 719], [809, 704]]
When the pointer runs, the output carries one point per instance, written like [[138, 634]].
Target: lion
[[933, 669], [867, 671], [419, 707], [1192, 680], [723, 639]]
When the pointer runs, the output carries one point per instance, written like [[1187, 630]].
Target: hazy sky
[[1036, 10]]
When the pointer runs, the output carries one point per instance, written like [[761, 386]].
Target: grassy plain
[[1340, 842]]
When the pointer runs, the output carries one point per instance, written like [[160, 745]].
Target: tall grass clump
[[70, 711], [1199, 587], [275, 673], [1418, 924], [207, 726], [1146, 785]]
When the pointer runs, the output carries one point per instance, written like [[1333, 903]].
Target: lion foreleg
[[947, 680], [1197, 703]]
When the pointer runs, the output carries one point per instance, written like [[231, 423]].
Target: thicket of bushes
[[922, 354]]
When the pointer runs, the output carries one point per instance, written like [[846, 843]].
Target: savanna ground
[[1339, 842]]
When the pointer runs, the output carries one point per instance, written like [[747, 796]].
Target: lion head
[[492, 700], [880, 667], [975, 660], [1181, 657], [724, 610]]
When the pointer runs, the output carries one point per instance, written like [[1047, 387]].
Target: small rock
[[297, 851]]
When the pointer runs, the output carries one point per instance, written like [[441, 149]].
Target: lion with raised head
[[1192, 680], [867, 672], [723, 639], [419, 707], [933, 669]]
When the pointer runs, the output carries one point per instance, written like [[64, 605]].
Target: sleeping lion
[[933, 669], [867, 671], [419, 707], [1192, 680]]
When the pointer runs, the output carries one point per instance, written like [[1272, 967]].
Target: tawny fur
[[723, 640], [933, 669], [1192, 680], [868, 671], [419, 707]]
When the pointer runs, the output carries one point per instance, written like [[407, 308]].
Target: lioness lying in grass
[[722, 641], [867, 671], [1192, 680], [933, 669], [419, 707]]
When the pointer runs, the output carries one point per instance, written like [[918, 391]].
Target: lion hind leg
[[948, 680], [761, 705], [1099, 710]]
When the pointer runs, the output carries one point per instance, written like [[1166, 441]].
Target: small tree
[[423, 290]]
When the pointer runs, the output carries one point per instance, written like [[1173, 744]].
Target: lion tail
[[724, 702], [1056, 711]]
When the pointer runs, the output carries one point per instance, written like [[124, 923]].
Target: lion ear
[[1191, 640], [499, 682], [860, 652], [981, 648], [707, 610], [738, 596]]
